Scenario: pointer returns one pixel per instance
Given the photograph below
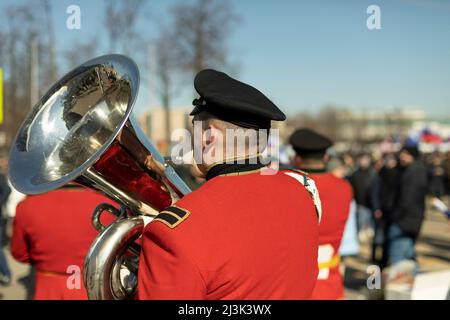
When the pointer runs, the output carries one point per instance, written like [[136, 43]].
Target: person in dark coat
[[381, 204], [437, 177], [5, 273], [406, 214], [446, 165], [361, 181]]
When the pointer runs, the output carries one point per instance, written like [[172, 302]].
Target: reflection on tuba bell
[[82, 131]]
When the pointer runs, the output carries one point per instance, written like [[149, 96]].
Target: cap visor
[[195, 111]]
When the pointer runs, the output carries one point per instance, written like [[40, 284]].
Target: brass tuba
[[83, 131]]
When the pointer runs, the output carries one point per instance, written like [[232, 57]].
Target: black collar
[[244, 165], [71, 186], [313, 171]]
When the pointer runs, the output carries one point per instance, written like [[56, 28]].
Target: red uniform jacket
[[239, 236], [53, 232], [336, 196]]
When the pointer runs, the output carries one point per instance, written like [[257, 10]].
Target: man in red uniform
[[53, 232], [241, 235], [336, 195]]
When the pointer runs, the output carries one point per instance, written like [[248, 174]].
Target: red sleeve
[[165, 270], [19, 241]]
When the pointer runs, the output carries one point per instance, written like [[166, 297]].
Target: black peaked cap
[[309, 141], [233, 101]]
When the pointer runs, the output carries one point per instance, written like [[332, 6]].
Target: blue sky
[[306, 54]]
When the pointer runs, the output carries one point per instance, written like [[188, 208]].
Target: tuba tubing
[[102, 277]]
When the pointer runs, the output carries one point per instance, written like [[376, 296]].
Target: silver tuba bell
[[83, 131]]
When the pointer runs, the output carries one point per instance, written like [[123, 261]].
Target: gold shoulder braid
[[172, 216]]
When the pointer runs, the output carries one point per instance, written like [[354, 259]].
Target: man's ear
[[212, 150], [326, 157], [210, 134]]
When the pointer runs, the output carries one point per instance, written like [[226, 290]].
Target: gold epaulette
[[172, 216]]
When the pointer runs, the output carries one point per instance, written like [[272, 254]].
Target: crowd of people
[[390, 193]]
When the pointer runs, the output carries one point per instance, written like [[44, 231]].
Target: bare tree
[[163, 73], [24, 42], [165, 69], [111, 23], [201, 30], [194, 39], [81, 52], [328, 123], [3, 37], [302, 120], [51, 70], [120, 20], [22, 33]]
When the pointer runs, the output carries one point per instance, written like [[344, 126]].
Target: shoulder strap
[[172, 216], [310, 186]]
